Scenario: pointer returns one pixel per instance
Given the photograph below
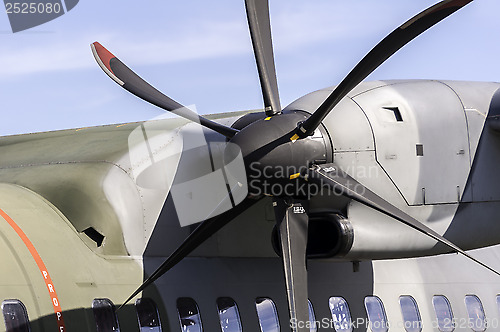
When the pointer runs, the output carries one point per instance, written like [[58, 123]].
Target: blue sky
[[199, 52]]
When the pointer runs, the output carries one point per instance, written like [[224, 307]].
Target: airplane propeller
[[133, 83], [334, 178], [260, 31], [205, 230], [381, 52], [283, 140], [292, 219]]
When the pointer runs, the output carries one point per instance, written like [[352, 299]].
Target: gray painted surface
[[239, 261]]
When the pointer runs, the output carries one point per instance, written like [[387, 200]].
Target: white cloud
[[295, 24], [298, 28], [46, 54]]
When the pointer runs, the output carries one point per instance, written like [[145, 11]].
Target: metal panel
[[347, 125], [484, 175], [349, 128], [433, 117], [476, 99]]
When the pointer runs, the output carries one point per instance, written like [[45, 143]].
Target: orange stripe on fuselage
[[41, 267]]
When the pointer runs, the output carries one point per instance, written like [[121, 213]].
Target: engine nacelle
[[329, 235]]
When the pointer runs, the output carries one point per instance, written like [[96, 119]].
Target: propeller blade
[[340, 182], [133, 83], [292, 222], [260, 31], [205, 230], [381, 52]]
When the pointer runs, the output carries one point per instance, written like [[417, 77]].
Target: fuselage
[[99, 209]]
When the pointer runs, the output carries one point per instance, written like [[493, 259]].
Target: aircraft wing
[[103, 179]]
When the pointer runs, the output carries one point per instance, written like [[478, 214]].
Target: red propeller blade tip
[[103, 58]]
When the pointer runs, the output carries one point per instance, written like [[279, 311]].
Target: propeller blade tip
[[101, 50], [103, 58], [102, 53]]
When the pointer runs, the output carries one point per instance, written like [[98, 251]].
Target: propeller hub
[[275, 156]]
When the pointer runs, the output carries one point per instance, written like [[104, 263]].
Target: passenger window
[[147, 315], [15, 316], [312, 318], [268, 316], [189, 315], [340, 314], [477, 319], [104, 314], [228, 315], [376, 314], [444, 314], [411, 315], [498, 302]]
